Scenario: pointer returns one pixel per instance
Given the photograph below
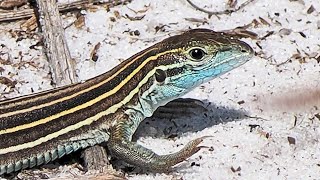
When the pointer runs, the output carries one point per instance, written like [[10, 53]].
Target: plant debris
[[291, 140], [235, 169], [136, 18], [80, 21], [94, 53], [10, 4], [8, 82], [311, 9], [30, 24], [227, 11]]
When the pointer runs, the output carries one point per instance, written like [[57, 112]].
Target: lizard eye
[[197, 53]]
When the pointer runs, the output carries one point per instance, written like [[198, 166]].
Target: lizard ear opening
[[160, 76]]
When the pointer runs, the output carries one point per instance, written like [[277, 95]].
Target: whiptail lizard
[[42, 127]]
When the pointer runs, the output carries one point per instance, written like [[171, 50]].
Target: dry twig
[[57, 51], [9, 15], [227, 11]]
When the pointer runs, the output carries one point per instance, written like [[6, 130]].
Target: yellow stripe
[[89, 103], [89, 120], [76, 94]]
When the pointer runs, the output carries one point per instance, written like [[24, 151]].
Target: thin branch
[[9, 15], [227, 11], [56, 48]]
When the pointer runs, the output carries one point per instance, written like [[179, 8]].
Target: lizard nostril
[[246, 48]]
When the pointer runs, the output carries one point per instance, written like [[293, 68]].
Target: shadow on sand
[[186, 115]]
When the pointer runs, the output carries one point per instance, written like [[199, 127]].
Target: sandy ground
[[263, 117]]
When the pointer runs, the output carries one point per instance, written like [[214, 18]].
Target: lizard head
[[197, 56]]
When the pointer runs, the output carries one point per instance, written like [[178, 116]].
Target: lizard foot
[[140, 156]]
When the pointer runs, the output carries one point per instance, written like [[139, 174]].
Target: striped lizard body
[[42, 127]]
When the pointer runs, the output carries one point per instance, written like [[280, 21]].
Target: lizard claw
[[191, 148]]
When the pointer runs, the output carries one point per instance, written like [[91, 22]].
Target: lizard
[[39, 128]]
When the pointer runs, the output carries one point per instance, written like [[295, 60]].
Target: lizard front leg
[[121, 146]]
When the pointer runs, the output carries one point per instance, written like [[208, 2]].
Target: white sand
[[277, 95]]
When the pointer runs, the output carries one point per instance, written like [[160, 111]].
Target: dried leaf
[[264, 133], [299, 1], [258, 44], [318, 59], [6, 81], [240, 32], [302, 34], [146, 8], [253, 126], [295, 121], [10, 4], [285, 32], [296, 56], [25, 64], [263, 21], [277, 23], [241, 102], [133, 33], [235, 170], [94, 53], [117, 14], [137, 18], [232, 3], [112, 19], [312, 54], [255, 23], [311, 9], [302, 60], [291, 140], [197, 20], [136, 33], [161, 28], [267, 135], [92, 8], [30, 24], [267, 35], [5, 61], [80, 22]]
